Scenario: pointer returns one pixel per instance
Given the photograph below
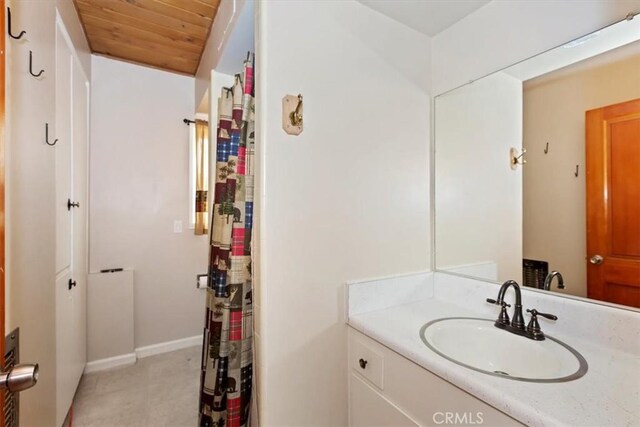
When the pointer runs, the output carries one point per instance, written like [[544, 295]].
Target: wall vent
[[11, 358], [534, 273]]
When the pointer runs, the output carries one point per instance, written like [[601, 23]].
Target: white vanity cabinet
[[367, 407], [386, 389]]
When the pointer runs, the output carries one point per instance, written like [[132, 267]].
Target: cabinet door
[[63, 149], [65, 387], [71, 232], [65, 315], [79, 253], [367, 408]]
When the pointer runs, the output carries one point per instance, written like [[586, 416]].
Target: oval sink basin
[[477, 344]]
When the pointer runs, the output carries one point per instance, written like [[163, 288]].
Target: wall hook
[[22, 33], [546, 149], [46, 136], [296, 115], [517, 158], [31, 66], [292, 114], [577, 170]]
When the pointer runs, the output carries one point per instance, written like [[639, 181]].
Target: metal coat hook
[[292, 114], [22, 33], [517, 158], [296, 115], [577, 170], [546, 149], [46, 136], [31, 66]]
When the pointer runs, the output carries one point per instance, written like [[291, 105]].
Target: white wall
[[222, 35], [30, 193], [69, 16], [347, 199], [139, 186], [478, 196], [504, 32]]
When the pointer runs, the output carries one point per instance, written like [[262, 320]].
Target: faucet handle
[[503, 318], [498, 302], [501, 303], [535, 313], [533, 328]]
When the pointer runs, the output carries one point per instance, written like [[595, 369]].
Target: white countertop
[[608, 395]]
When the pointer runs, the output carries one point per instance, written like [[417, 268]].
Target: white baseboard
[[141, 352], [110, 362], [165, 347]]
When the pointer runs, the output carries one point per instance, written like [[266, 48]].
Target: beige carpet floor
[[157, 391]]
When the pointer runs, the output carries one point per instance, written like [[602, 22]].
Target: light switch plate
[[177, 226]]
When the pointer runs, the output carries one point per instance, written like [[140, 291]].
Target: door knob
[[596, 259], [19, 378], [72, 284], [71, 204]]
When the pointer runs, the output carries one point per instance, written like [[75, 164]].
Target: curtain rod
[[188, 122]]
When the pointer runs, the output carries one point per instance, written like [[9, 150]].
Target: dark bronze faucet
[[549, 279], [516, 326]]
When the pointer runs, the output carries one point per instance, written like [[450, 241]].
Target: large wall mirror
[[537, 171]]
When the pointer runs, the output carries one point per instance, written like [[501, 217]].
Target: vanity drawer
[[367, 361]]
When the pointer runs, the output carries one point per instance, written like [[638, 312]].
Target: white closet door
[[79, 260], [64, 341], [71, 233], [62, 148], [65, 323]]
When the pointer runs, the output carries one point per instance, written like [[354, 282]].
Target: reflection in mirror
[[568, 218]]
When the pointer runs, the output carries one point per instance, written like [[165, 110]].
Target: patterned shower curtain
[[227, 368]]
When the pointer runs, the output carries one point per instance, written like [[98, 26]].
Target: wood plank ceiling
[[166, 34]]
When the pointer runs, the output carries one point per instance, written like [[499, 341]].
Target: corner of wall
[[502, 33], [367, 67], [75, 30], [221, 30]]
